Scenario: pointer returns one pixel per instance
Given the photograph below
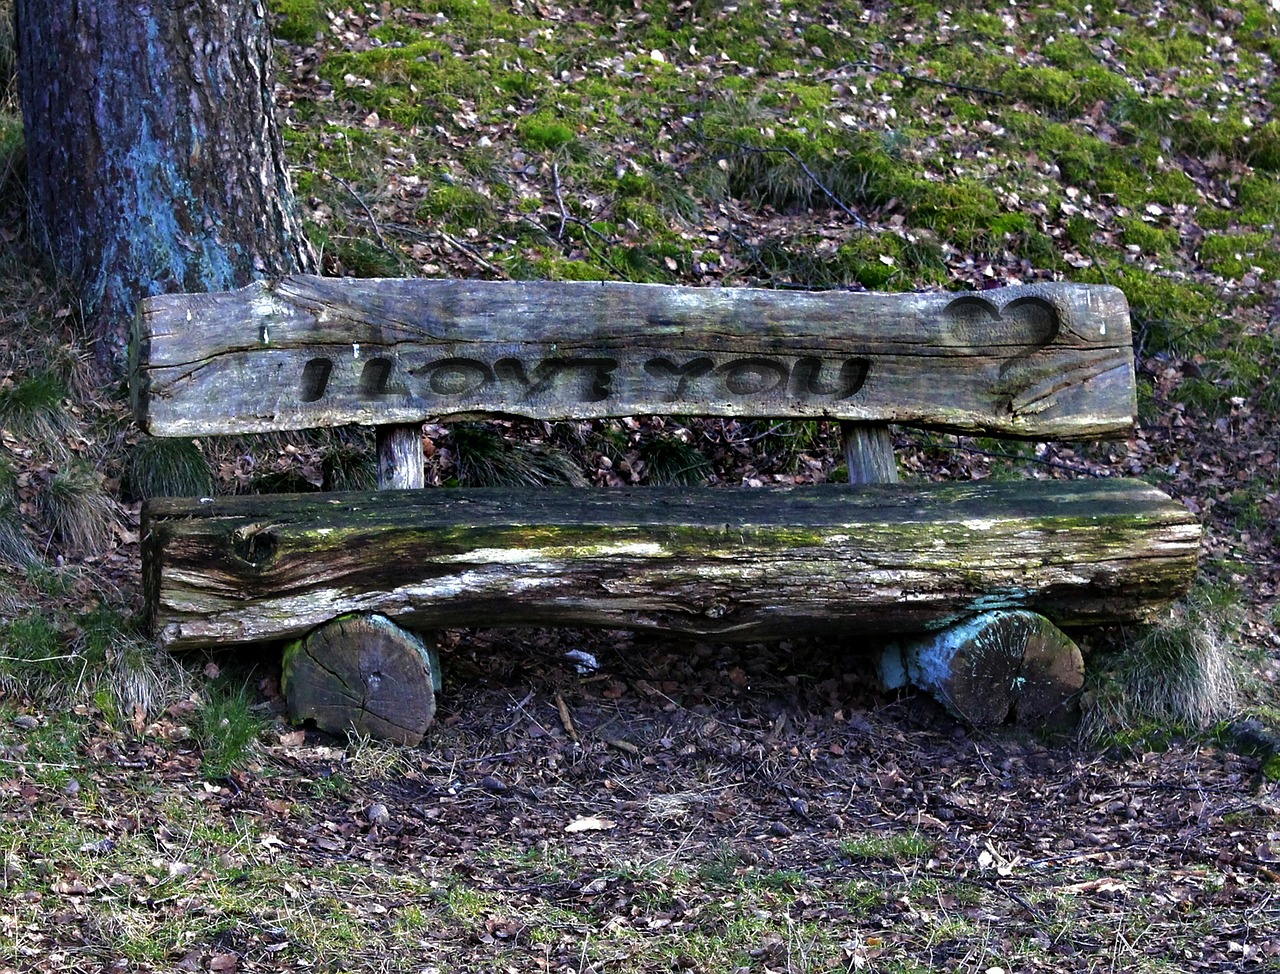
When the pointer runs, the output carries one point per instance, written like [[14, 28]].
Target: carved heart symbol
[[1024, 326]]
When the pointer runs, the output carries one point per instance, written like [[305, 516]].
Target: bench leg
[[868, 453], [362, 673], [993, 667]]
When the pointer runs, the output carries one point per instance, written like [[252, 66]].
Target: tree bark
[[733, 564], [154, 160]]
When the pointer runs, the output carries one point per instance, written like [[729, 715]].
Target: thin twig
[[473, 254], [604, 257], [373, 221], [807, 171], [565, 719], [1021, 901], [1056, 464], [564, 214], [905, 74], [40, 765]]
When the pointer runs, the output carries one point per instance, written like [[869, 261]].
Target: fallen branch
[[565, 719], [564, 214], [474, 254], [373, 221]]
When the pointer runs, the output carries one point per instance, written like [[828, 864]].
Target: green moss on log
[[736, 564]]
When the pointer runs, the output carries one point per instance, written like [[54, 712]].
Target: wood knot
[[255, 544]]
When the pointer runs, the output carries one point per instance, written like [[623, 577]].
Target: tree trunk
[[153, 157]]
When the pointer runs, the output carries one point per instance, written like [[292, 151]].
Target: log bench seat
[[354, 578]]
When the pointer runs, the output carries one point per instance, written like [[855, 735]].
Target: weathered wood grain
[[868, 453], [1044, 360], [401, 461], [736, 564], [361, 673], [992, 667]]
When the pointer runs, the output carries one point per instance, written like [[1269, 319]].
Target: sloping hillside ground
[[676, 806]]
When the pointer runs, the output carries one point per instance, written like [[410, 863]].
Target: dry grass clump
[[138, 679], [77, 510], [168, 467], [16, 549], [8, 58], [371, 760], [34, 408], [1181, 672], [668, 459], [484, 458]]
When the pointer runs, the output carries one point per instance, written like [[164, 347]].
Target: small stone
[[779, 829], [490, 783], [377, 814], [71, 788]]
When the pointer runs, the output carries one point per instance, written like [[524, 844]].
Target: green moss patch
[[1236, 255]]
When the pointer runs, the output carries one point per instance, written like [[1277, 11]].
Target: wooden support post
[[361, 672], [868, 452], [401, 463], [993, 667], [364, 672]]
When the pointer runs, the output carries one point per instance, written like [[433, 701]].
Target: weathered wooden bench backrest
[[1039, 361]]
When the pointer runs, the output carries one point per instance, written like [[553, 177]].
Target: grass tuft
[[228, 729], [669, 459], [484, 458], [33, 408], [77, 510], [298, 21], [35, 661], [350, 464], [164, 467], [132, 678], [785, 444], [369, 760], [898, 847], [1181, 673], [15, 545], [8, 58]]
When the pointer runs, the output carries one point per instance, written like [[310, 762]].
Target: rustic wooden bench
[[347, 576]]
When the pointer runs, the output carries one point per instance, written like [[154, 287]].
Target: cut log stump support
[[992, 667], [362, 673]]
